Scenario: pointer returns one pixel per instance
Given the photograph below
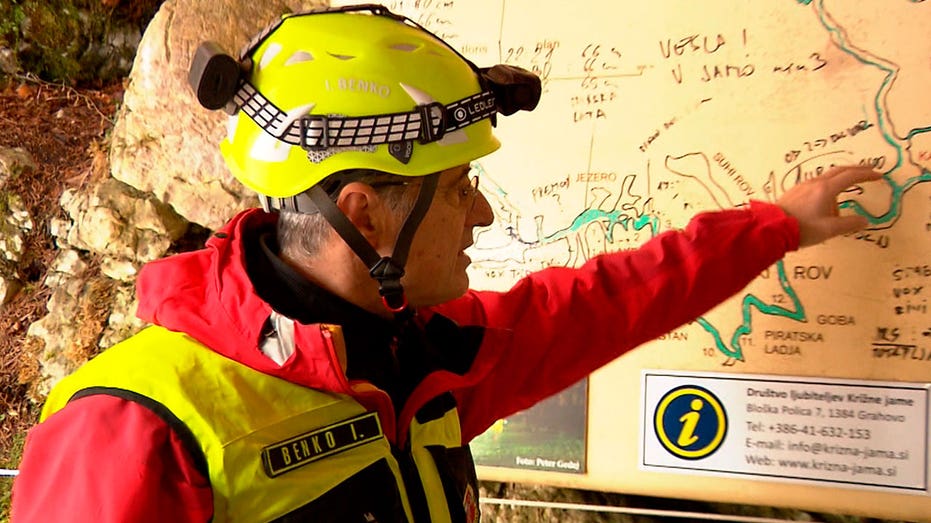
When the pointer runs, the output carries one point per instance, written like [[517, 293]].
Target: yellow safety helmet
[[347, 89], [351, 88]]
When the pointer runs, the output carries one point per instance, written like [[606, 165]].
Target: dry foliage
[[64, 129]]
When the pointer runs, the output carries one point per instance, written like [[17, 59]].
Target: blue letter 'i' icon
[[690, 422]]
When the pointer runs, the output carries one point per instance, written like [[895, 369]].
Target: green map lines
[[732, 348], [882, 117]]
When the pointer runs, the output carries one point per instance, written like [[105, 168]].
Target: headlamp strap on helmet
[[507, 90], [426, 123], [216, 79]]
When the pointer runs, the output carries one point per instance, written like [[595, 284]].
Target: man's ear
[[367, 212]]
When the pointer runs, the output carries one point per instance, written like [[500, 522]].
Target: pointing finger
[[843, 177]]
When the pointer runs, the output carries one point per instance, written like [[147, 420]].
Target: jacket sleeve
[[568, 322], [104, 459]]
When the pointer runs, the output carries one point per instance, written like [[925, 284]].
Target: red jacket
[[104, 459]]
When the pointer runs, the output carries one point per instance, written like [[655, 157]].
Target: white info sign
[[863, 434]]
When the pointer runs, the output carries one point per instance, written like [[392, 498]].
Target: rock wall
[[166, 182], [164, 142]]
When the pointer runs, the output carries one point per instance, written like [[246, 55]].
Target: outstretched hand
[[814, 204]]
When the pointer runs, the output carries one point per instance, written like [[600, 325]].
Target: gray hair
[[301, 235]]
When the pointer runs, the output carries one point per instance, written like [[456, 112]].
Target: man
[[323, 359]]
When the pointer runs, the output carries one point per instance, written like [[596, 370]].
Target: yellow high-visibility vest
[[273, 449]]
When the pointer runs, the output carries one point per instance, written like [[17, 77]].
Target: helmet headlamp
[[515, 89]]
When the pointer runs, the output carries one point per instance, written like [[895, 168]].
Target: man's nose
[[481, 214]]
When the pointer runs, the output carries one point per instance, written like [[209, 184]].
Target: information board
[[654, 111], [868, 435]]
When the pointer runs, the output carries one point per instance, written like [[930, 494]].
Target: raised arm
[[564, 323]]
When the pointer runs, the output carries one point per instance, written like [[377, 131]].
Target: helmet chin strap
[[386, 270]]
